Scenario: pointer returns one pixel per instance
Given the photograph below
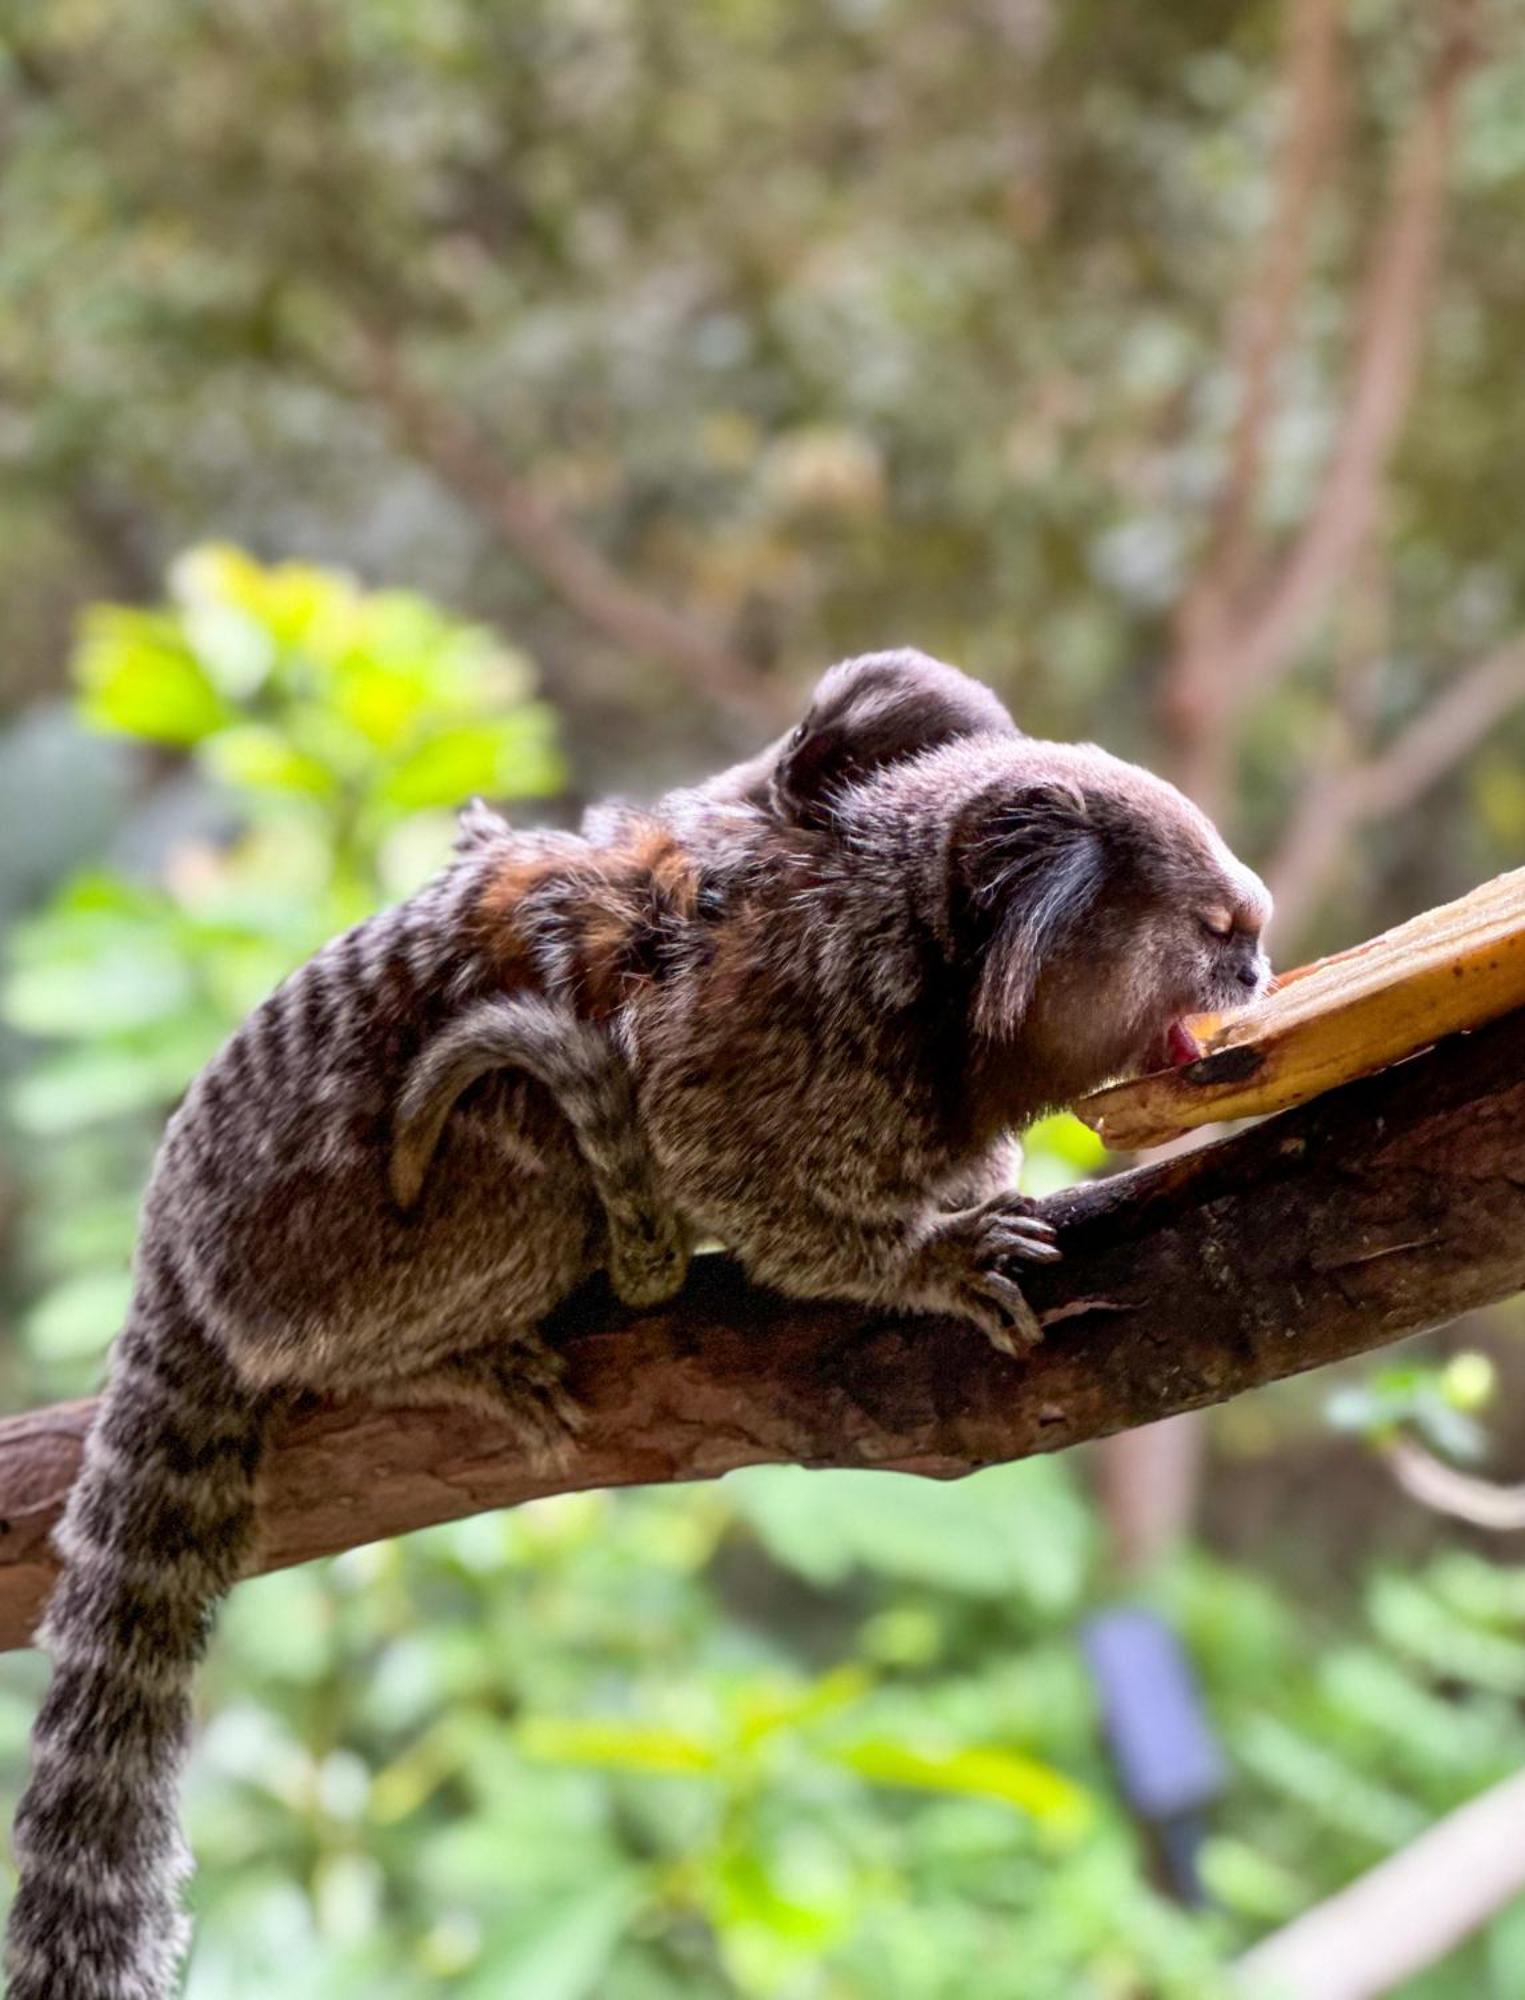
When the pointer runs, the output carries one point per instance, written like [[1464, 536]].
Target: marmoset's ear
[[477, 825], [1036, 867], [873, 711], [816, 762]]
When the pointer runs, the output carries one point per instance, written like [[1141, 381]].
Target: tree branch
[[1390, 781], [1316, 825], [1233, 659], [1313, 81], [1260, 339], [1388, 345], [1481, 1503], [1447, 731], [1405, 1914], [1379, 1210], [580, 574]]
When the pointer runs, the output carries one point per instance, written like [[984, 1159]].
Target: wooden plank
[[1339, 1018]]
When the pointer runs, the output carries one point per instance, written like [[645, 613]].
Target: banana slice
[[1341, 1017]]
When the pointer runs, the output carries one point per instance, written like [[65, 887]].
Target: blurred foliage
[[798, 1736], [1440, 1401]]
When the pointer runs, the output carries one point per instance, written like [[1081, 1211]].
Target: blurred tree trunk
[[1248, 610]]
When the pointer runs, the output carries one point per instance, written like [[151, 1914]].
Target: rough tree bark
[[1378, 1210]]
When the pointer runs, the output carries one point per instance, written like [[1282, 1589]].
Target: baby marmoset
[[866, 714]]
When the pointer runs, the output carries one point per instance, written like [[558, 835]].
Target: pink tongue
[[1181, 1045]]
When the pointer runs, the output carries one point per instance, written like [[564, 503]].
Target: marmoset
[[866, 714], [990, 930], [819, 1062], [270, 1262]]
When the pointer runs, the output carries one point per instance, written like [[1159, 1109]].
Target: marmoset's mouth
[[1181, 1045], [1173, 1048]]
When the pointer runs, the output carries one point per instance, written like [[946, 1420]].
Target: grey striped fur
[[272, 1261], [867, 714]]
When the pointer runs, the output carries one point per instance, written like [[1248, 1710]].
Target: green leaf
[[765, 1711], [977, 1772], [260, 758], [617, 1746], [129, 981], [67, 1092], [514, 757], [139, 677], [80, 1316], [955, 1536], [236, 650], [561, 1950], [1414, 1621], [1057, 1152], [1251, 1883], [1326, 1784], [777, 1912]]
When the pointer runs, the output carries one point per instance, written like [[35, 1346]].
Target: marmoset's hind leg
[[465, 1351], [520, 1383]]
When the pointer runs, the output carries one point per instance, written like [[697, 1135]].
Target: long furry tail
[[157, 1528], [590, 1078], [576, 1060]]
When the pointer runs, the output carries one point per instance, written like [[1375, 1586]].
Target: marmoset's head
[[1086, 907], [871, 712], [866, 714]]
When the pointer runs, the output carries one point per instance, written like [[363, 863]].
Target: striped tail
[[575, 1060], [157, 1529], [589, 1076]]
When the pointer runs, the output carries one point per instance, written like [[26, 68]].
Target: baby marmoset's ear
[[1034, 867], [477, 826], [870, 712], [816, 761]]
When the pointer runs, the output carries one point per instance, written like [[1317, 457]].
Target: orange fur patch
[[608, 897]]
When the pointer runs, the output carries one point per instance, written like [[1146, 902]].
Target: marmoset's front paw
[[966, 1264], [648, 1258]]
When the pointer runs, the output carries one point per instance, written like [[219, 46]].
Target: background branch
[[1390, 781], [1232, 658], [1369, 1214], [472, 466], [1404, 1914], [1259, 342], [1385, 366], [1481, 1503]]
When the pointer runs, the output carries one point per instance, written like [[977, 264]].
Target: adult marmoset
[[276, 1257], [989, 930], [822, 1062]]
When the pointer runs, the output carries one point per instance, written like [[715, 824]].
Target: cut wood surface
[[1343, 1017], [1384, 1208]]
